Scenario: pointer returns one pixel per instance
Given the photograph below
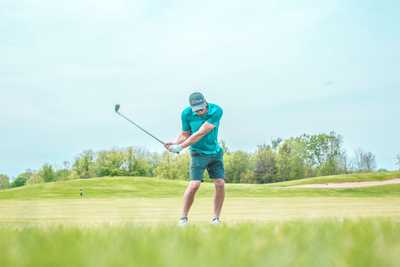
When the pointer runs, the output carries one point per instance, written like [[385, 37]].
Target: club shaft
[[138, 126]]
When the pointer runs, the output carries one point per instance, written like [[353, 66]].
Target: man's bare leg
[[219, 196], [188, 196]]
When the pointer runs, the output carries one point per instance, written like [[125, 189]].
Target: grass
[[143, 187], [152, 211], [366, 242], [98, 188], [130, 221], [345, 178]]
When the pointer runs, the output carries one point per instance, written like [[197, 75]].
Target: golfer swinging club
[[200, 123]]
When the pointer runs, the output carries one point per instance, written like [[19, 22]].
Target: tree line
[[281, 160]]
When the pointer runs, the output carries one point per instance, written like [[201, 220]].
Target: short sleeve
[[216, 117], [185, 122]]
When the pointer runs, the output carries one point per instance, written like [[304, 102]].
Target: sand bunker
[[348, 184]]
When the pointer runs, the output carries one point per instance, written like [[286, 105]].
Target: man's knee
[[194, 185], [219, 183]]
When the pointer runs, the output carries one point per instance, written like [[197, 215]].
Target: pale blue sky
[[278, 68]]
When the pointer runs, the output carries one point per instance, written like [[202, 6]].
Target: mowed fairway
[[155, 201], [132, 222], [167, 211]]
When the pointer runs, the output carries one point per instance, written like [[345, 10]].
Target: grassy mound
[[144, 187], [98, 187]]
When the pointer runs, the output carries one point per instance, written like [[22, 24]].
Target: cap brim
[[199, 107]]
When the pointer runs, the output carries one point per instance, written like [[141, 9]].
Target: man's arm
[[181, 138], [194, 138]]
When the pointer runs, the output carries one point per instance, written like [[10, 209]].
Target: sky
[[277, 68]]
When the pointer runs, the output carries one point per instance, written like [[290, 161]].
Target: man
[[200, 123]]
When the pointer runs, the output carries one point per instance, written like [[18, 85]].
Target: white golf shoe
[[215, 221], [183, 222]]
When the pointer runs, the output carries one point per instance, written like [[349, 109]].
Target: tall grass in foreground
[[369, 242]]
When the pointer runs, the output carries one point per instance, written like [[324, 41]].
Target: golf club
[[117, 107]]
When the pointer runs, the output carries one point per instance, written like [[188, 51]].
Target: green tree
[[64, 173], [237, 164], [4, 181], [266, 169], [83, 166], [137, 162], [291, 160], [130, 161], [35, 179], [174, 167], [323, 153], [47, 173], [22, 178], [153, 160], [247, 177], [275, 143], [110, 163]]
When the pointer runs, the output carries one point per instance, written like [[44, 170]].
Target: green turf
[[129, 221], [354, 177], [359, 243], [161, 211], [128, 187]]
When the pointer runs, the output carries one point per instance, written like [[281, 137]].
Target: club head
[[117, 107]]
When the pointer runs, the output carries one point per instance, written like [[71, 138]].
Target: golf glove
[[175, 149]]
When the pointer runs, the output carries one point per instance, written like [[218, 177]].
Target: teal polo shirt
[[191, 122]]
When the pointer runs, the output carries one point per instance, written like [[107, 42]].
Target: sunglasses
[[200, 110]]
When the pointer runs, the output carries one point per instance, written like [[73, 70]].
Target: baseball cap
[[197, 101]]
